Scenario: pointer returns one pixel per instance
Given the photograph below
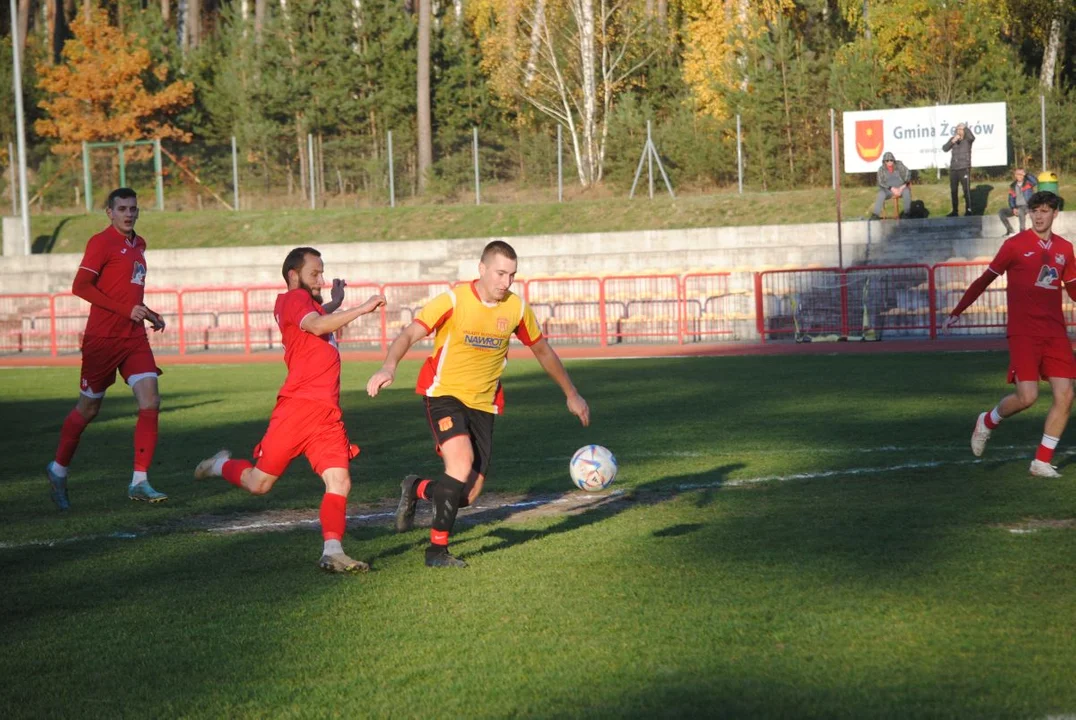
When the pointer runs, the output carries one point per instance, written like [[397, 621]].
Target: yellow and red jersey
[[470, 348]]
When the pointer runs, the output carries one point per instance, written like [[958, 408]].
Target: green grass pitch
[[795, 537]]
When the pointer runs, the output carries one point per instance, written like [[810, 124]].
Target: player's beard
[[315, 292]]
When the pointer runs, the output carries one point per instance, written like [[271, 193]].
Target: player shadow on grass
[[592, 512]]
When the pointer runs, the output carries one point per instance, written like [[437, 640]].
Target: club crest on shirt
[[138, 275], [1059, 258], [502, 324], [1047, 277]]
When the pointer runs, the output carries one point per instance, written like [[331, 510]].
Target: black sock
[[446, 495]]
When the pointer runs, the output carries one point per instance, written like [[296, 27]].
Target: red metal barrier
[[365, 332], [811, 303], [569, 309], [69, 314], [402, 303], [709, 306], [26, 323], [987, 315], [650, 307], [856, 303]]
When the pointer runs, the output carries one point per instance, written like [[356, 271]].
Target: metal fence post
[[477, 183], [158, 171], [739, 154], [235, 175], [123, 165], [87, 181], [560, 166], [832, 148], [310, 173], [1042, 122], [392, 178]]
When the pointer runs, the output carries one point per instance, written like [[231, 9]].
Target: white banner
[[916, 135]]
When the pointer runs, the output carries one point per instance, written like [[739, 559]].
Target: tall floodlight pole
[[20, 129]]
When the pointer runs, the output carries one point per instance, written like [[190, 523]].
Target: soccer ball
[[592, 468]]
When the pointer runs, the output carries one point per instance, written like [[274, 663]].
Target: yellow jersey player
[[460, 384]]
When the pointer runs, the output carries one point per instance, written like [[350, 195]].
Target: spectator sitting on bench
[[1020, 191], [893, 179]]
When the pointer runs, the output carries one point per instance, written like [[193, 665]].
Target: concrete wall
[[726, 248]]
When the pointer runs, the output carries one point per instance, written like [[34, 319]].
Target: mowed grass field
[[797, 537]]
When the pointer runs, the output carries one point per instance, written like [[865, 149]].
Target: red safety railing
[[868, 302], [987, 315], [860, 303]]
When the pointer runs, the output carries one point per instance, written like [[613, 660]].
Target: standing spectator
[[1020, 191], [893, 179], [960, 166]]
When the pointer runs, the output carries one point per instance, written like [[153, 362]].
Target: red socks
[[1046, 448], [145, 439], [232, 471], [73, 426], [333, 516]]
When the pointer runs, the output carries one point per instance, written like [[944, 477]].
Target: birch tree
[[567, 59]]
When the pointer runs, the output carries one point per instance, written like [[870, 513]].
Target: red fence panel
[[569, 310], [801, 303], [643, 308], [363, 333], [402, 303], [166, 304], [890, 300], [213, 319], [710, 307], [987, 316], [26, 323], [69, 321]]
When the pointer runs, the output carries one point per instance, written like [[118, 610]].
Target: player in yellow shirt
[[461, 387]]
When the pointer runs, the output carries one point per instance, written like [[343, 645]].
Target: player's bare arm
[[336, 296], [550, 362], [324, 324], [403, 342]]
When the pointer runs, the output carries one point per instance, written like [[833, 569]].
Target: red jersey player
[[1037, 264], [112, 278], [307, 419]]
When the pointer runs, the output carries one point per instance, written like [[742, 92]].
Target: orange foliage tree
[[107, 88]]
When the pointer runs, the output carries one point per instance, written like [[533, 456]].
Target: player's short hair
[[296, 259], [1044, 197], [119, 194], [498, 247]]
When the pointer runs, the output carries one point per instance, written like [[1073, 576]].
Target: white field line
[[717, 484]]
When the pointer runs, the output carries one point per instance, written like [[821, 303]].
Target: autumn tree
[[568, 59], [107, 88]]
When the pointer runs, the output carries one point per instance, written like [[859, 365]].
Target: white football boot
[[979, 436], [1043, 469]]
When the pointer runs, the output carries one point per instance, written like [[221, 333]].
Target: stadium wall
[[644, 251]]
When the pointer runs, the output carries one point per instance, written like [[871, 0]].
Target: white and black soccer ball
[[592, 468]]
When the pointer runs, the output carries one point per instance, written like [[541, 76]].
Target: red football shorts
[[102, 357], [302, 427], [1035, 358]]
